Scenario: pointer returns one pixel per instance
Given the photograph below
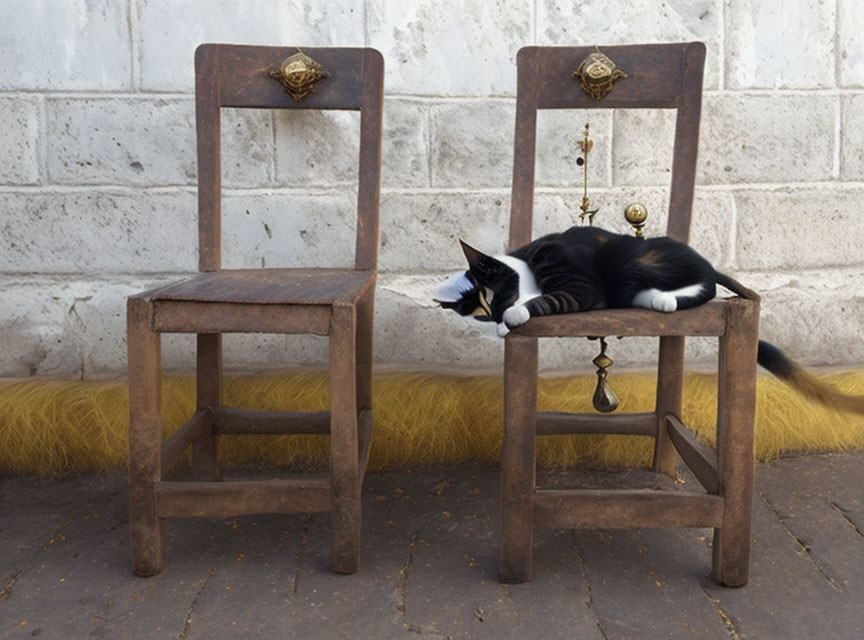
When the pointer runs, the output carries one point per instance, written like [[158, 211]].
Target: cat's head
[[485, 290]]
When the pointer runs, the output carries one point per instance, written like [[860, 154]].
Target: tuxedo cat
[[586, 268]]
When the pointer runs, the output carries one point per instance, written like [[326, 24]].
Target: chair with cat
[[666, 76], [330, 302]]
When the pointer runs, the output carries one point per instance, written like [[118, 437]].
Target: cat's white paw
[[516, 316], [664, 301], [503, 330]]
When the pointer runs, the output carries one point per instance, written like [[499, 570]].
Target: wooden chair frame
[[333, 302], [665, 76]]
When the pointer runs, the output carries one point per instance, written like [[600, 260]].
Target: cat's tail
[[779, 364], [809, 385], [736, 287]]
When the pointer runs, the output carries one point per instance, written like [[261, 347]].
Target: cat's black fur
[[586, 268]]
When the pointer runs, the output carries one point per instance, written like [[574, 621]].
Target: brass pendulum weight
[[604, 399]]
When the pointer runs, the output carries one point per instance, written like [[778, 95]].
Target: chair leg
[[365, 312], [518, 471], [736, 406], [345, 515], [205, 463], [364, 350], [670, 383], [145, 438]]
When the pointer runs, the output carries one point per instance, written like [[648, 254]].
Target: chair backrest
[[237, 76], [660, 76]]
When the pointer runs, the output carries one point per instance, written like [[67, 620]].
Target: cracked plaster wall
[[97, 166]]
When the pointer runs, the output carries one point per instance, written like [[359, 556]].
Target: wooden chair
[[333, 302], [665, 76]]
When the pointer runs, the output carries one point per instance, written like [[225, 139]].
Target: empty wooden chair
[[333, 302], [665, 76]]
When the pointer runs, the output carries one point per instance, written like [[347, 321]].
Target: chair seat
[[270, 286], [705, 320]]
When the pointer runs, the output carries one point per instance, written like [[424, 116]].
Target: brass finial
[[604, 399], [298, 75], [636, 214], [597, 74], [586, 144]]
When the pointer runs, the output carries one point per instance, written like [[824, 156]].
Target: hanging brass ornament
[[597, 74], [604, 399], [586, 144], [298, 75]]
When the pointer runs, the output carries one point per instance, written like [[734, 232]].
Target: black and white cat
[[581, 269], [586, 268]]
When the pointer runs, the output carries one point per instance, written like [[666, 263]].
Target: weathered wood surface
[[658, 83], [242, 497], [208, 397], [518, 458], [430, 566], [235, 76], [198, 426], [736, 410], [170, 316], [592, 509], [559, 423], [706, 320], [239, 421], [700, 459], [334, 302], [670, 388], [364, 438], [345, 474], [243, 81], [661, 76], [664, 76], [270, 286], [145, 437]]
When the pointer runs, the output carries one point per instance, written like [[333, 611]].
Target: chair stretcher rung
[[240, 421], [701, 460], [197, 426], [595, 509], [558, 423], [220, 499]]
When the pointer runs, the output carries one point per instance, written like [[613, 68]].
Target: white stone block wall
[[98, 167]]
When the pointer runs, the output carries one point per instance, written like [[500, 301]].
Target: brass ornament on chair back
[[597, 74], [298, 75]]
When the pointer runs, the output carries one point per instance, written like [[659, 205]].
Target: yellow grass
[[56, 427]]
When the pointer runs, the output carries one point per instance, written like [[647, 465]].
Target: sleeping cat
[[587, 268]]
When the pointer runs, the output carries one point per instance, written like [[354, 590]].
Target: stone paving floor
[[429, 567]]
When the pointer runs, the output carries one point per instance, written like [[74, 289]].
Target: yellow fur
[[56, 427]]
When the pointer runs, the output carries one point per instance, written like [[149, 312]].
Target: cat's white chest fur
[[517, 314], [527, 284]]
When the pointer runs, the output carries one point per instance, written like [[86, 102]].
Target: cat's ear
[[454, 289], [473, 256]]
